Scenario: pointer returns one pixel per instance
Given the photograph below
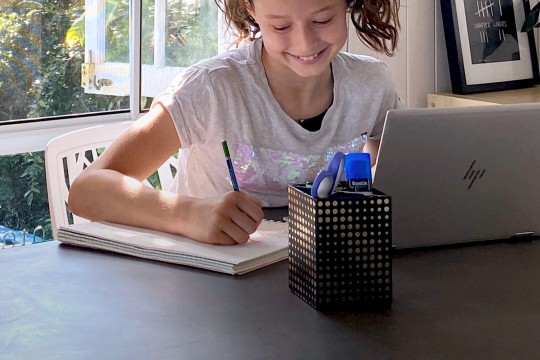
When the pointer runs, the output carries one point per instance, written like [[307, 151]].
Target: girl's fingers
[[245, 222], [234, 232], [252, 208]]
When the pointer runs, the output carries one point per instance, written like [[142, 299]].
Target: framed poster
[[486, 50]]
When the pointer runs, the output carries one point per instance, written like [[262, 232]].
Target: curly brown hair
[[376, 21]]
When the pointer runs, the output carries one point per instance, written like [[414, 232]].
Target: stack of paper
[[269, 244]]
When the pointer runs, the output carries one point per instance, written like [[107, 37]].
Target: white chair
[[66, 156]]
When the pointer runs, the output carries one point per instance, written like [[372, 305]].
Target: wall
[[420, 65]]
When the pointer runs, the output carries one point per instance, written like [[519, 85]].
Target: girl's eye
[[323, 22], [281, 28]]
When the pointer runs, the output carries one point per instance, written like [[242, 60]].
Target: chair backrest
[[66, 156]]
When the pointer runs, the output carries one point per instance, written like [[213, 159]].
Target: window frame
[[31, 135], [119, 72], [154, 77]]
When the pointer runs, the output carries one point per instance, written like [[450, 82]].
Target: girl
[[285, 102]]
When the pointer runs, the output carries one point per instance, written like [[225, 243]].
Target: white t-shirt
[[228, 97]]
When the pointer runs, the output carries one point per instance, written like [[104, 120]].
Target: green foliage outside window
[[21, 177], [20, 57], [192, 33], [41, 52], [117, 31]]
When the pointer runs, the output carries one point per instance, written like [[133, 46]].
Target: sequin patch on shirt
[[264, 170]]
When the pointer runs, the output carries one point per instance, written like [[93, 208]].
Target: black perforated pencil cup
[[340, 249]]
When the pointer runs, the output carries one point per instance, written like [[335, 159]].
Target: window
[[40, 60], [175, 34], [50, 51]]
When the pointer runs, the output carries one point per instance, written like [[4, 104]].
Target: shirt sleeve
[[390, 101], [190, 100]]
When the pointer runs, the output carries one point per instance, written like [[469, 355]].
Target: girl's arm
[[372, 147], [111, 189]]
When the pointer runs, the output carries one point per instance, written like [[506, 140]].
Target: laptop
[[458, 175]]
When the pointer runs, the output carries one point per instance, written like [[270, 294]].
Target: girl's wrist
[[177, 219]]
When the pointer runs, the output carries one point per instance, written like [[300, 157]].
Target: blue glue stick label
[[360, 184]]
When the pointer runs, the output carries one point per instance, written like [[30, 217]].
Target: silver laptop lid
[[461, 174]]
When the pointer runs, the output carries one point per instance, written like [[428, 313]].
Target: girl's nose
[[305, 40]]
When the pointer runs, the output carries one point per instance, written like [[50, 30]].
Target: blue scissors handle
[[327, 180]]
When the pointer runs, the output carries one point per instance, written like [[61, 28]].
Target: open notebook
[[269, 244]]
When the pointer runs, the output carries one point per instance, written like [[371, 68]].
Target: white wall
[[420, 65]]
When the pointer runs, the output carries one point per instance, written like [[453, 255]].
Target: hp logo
[[472, 174]]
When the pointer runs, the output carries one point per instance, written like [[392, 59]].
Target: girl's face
[[301, 35]]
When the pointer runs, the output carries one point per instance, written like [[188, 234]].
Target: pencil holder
[[340, 249]]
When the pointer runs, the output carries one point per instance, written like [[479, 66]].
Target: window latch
[[88, 75]]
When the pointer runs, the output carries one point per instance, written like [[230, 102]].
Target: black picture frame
[[486, 50]]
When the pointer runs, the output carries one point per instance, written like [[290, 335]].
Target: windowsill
[[30, 137]]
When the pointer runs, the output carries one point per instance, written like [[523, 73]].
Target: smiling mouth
[[309, 58]]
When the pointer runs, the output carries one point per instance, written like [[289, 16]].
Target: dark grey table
[[63, 302]]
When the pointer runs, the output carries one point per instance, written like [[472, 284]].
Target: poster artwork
[[491, 26]]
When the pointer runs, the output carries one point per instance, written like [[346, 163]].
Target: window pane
[[23, 198], [186, 32], [147, 28], [117, 31], [41, 52], [192, 31]]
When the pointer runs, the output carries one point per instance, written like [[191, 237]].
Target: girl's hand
[[227, 219]]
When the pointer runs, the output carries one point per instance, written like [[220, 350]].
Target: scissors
[[327, 180]]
